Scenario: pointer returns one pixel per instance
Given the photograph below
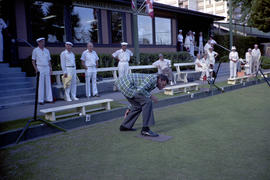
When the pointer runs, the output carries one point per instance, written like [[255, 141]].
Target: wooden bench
[[79, 107], [183, 75], [238, 80], [266, 73], [171, 90]]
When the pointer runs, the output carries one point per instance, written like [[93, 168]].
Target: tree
[[255, 13], [260, 15]]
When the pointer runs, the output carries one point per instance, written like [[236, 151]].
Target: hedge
[[106, 60]]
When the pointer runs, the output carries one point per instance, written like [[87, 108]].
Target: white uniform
[[211, 57], [187, 42], [233, 65], [180, 38], [90, 59], [212, 41], [256, 55], [204, 69], [69, 67], [191, 52], [248, 64], [162, 64], [206, 47], [123, 64], [42, 58], [201, 45], [2, 26]]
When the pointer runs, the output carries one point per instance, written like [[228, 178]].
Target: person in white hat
[[201, 65], [68, 65], [90, 63], [180, 41], [248, 64], [201, 43], [123, 56], [256, 55], [234, 58], [207, 46], [212, 60], [41, 61]]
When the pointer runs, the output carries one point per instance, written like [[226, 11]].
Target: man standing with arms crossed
[[123, 56], [90, 63], [136, 88], [68, 65], [41, 61]]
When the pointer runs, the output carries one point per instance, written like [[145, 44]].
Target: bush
[[265, 62], [106, 60]]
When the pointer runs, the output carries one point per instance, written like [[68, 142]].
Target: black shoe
[[122, 128], [149, 133], [41, 103]]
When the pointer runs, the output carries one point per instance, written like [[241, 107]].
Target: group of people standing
[[41, 61], [251, 62]]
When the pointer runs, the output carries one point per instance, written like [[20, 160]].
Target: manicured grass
[[221, 137]]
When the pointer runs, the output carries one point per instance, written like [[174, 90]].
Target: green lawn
[[217, 138]]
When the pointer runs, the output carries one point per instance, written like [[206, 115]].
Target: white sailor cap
[[194, 33], [180, 30], [124, 43], [233, 48], [69, 43], [39, 39], [249, 49]]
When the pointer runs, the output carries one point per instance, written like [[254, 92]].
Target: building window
[[116, 27], [163, 31], [145, 30], [47, 20], [84, 22]]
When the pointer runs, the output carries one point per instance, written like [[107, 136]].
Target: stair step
[[4, 65], [17, 98], [15, 79], [15, 74], [20, 91], [7, 105], [10, 70], [7, 86]]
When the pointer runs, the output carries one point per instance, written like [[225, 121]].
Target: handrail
[[25, 42], [223, 47]]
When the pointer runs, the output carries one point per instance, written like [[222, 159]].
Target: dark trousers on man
[[139, 104]]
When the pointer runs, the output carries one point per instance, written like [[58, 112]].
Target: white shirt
[[248, 57], [42, 57], [90, 58], [191, 38], [123, 56], [67, 60], [256, 53], [206, 47], [187, 42], [233, 56], [162, 64], [201, 40], [3, 25], [211, 57], [180, 38]]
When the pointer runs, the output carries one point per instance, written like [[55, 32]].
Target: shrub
[[106, 60], [265, 62]]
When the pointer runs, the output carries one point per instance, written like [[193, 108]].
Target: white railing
[[114, 70]]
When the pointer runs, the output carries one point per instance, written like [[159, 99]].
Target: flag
[[149, 7], [132, 4]]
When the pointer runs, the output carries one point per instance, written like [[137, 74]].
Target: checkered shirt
[[133, 84]]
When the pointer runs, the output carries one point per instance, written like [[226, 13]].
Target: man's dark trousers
[[140, 104]]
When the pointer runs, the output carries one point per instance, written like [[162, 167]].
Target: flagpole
[[135, 32]]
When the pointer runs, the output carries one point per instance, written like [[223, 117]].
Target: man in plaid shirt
[[136, 88]]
